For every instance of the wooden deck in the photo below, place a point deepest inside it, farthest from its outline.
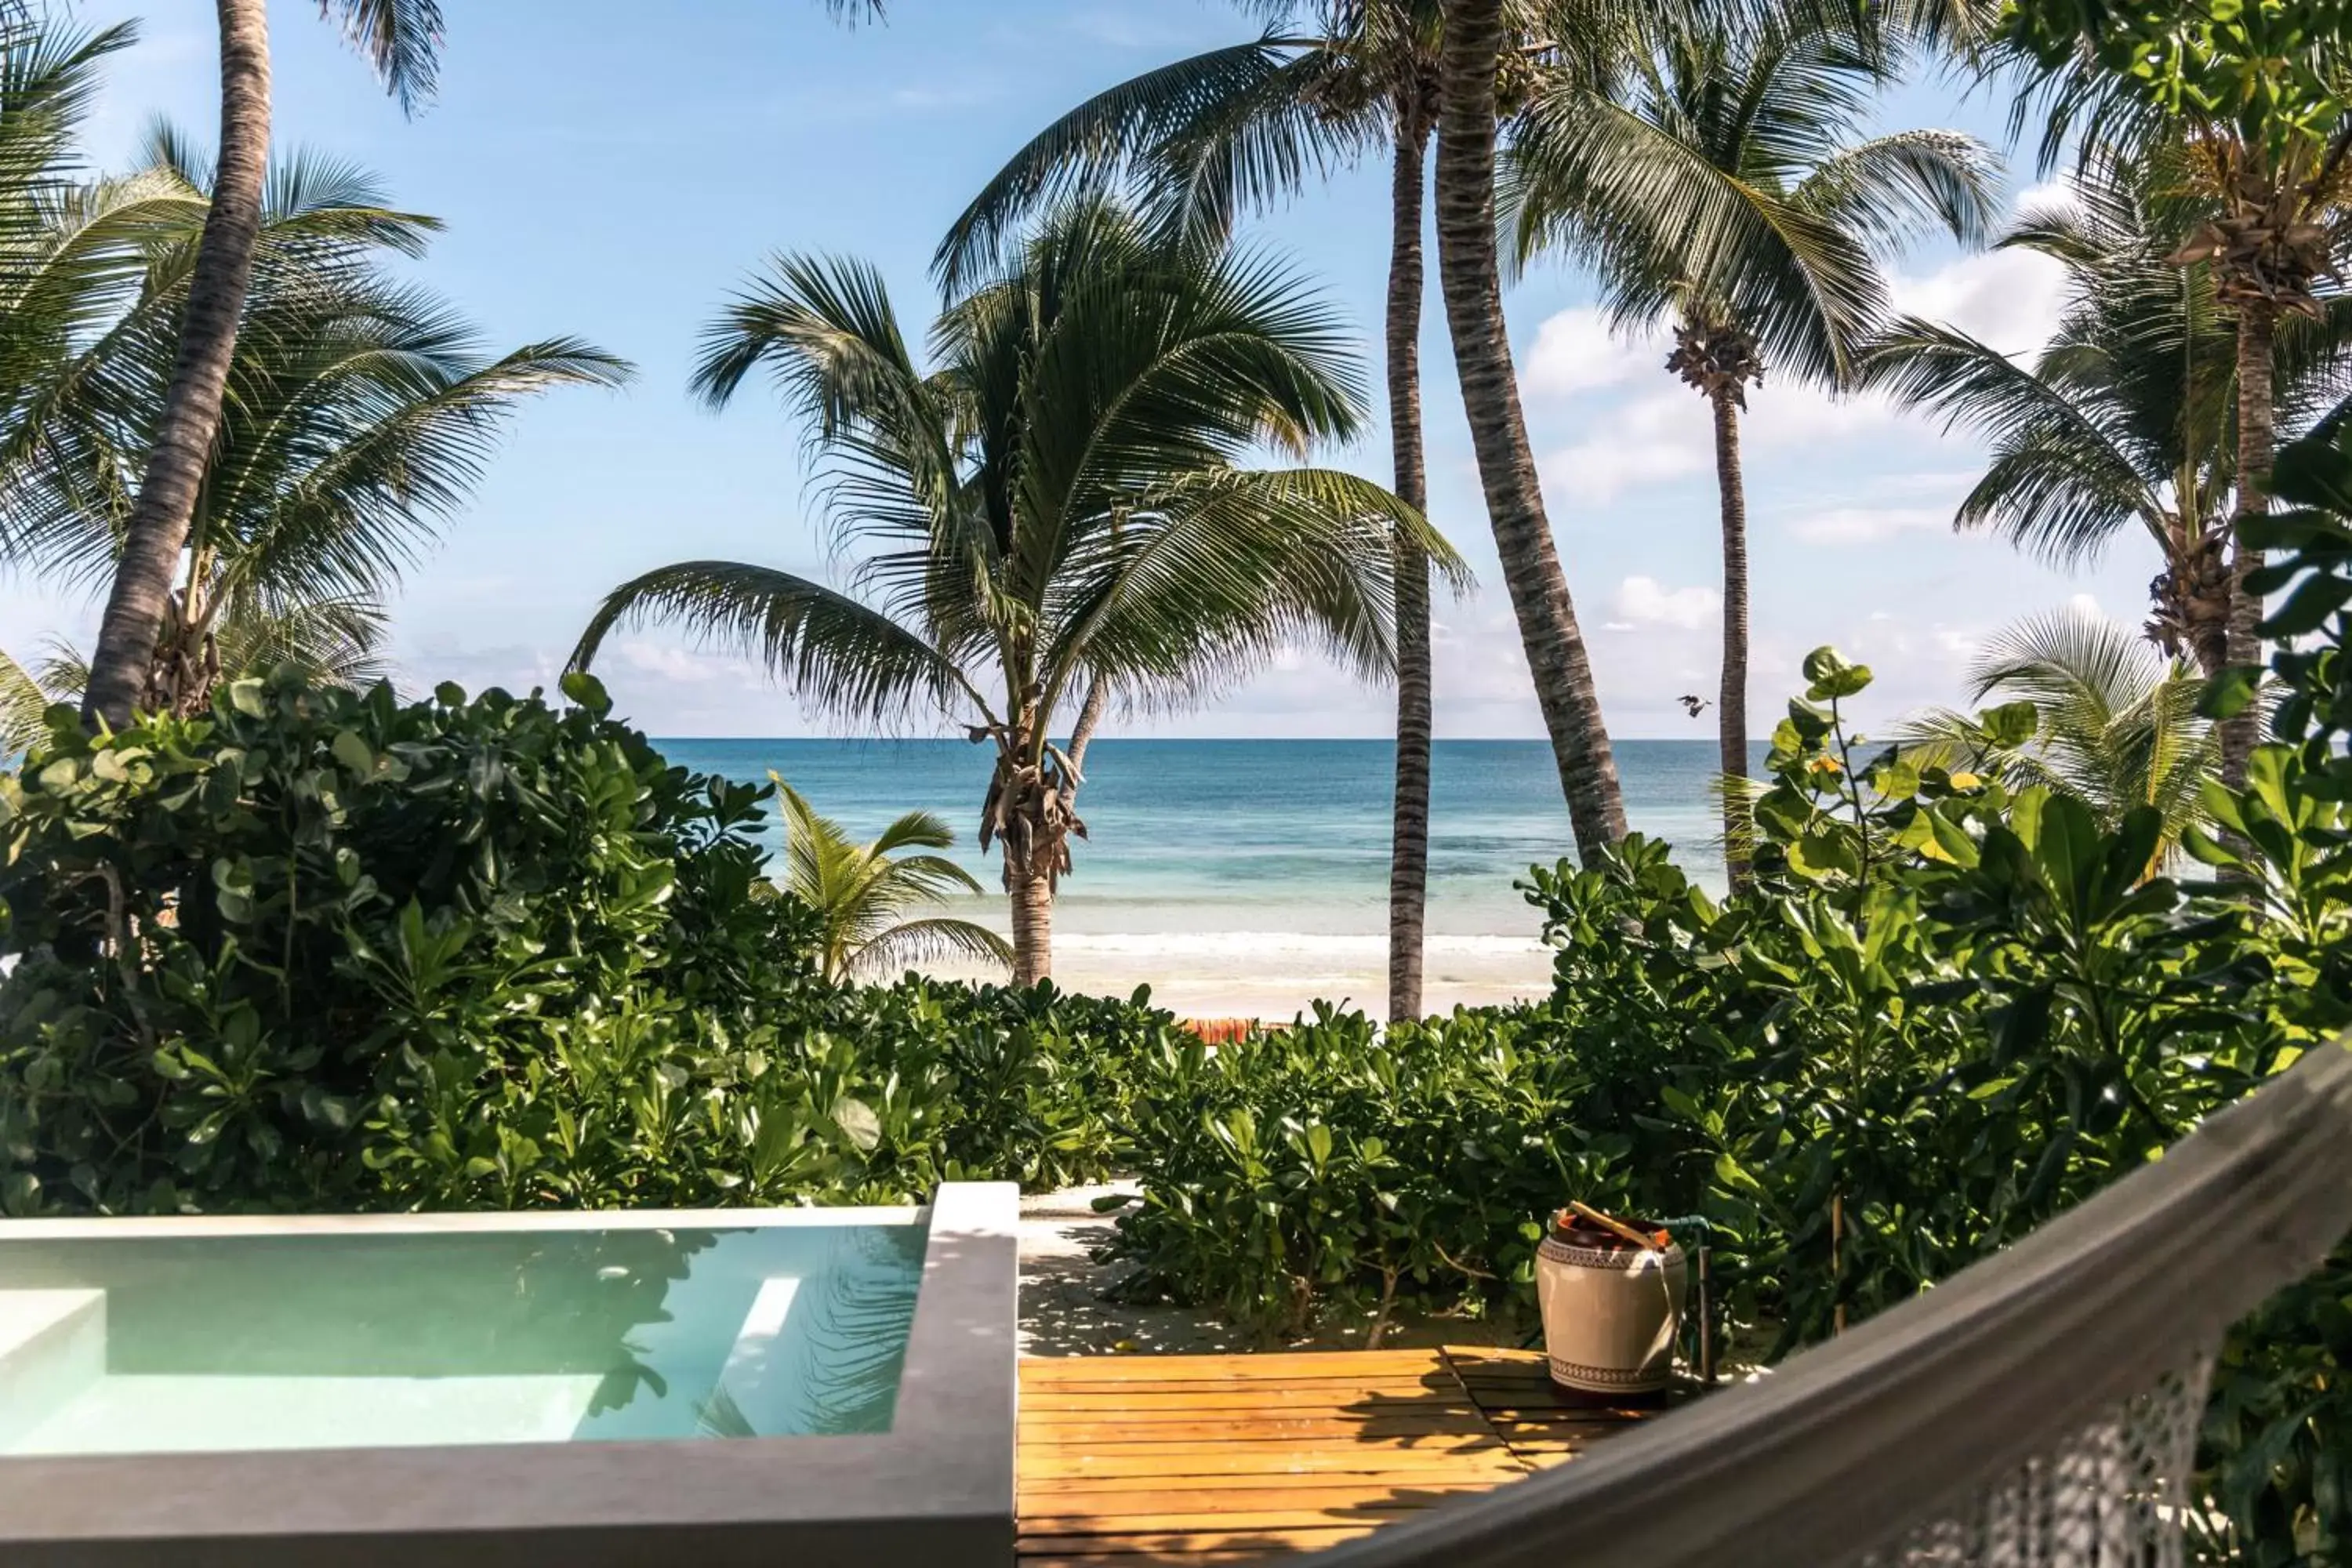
(1127, 1461)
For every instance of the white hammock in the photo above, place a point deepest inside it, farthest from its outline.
(2039, 1410)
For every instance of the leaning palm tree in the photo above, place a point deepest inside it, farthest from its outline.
(2116, 723)
(1719, 177)
(1199, 139)
(862, 892)
(1057, 504)
(360, 414)
(402, 38)
(2127, 419)
(1471, 281)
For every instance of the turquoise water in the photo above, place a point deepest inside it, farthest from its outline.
(1295, 830)
(1252, 875)
(227, 1343)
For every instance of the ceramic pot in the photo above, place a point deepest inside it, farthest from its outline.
(1610, 1313)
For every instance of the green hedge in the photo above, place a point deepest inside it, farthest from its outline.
(320, 951)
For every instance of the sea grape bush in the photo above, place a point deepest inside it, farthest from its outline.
(326, 951)
(1334, 1165)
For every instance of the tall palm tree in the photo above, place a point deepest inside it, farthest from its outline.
(1719, 177)
(402, 38)
(2127, 418)
(1470, 280)
(1058, 501)
(862, 892)
(2276, 182)
(1240, 126)
(2116, 726)
(361, 413)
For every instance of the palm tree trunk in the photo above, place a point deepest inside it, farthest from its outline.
(158, 527)
(1472, 283)
(1409, 839)
(1731, 696)
(2257, 441)
(1032, 927)
(1090, 713)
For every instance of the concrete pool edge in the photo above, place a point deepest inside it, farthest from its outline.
(940, 1482)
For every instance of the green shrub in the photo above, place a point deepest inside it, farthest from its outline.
(323, 951)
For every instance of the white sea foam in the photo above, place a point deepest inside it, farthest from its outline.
(1263, 947)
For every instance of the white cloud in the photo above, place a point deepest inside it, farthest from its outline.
(1867, 525)
(2009, 299)
(1646, 602)
(1645, 441)
(1575, 351)
(670, 662)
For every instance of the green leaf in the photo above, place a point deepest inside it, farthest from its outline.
(2229, 692)
(355, 755)
(856, 1120)
(249, 697)
(586, 690)
(2009, 725)
(1830, 676)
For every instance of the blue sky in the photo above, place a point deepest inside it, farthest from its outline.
(613, 171)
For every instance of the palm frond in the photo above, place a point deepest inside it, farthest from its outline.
(1236, 108)
(852, 659)
(2117, 729)
(23, 707)
(2062, 479)
(401, 39)
(929, 940)
(1715, 176)
(860, 892)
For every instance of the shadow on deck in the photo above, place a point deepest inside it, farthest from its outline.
(1126, 1461)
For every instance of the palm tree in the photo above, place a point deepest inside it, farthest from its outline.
(1245, 125)
(2128, 417)
(1470, 277)
(401, 38)
(360, 415)
(1058, 503)
(2263, 140)
(861, 892)
(1719, 176)
(2116, 726)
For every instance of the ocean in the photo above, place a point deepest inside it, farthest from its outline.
(1251, 876)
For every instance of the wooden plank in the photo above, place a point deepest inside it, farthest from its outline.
(1051, 1494)
(1157, 1462)
(1127, 1559)
(1355, 1404)
(1157, 1543)
(1491, 1460)
(1261, 1392)
(1427, 1445)
(1251, 1427)
(1246, 1517)
(1096, 1368)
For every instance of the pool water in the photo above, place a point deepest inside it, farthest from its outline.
(326, 1341)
